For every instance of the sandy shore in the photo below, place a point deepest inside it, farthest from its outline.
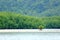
(29, 30)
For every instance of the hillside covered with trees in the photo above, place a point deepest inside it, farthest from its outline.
(39, 8)
(29, 14)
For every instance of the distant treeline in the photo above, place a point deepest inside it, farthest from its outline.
(10, 20)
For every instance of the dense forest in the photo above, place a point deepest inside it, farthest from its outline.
(11, 20)
(29, 14)
(39, 8)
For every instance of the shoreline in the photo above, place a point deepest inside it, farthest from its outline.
(29, 30)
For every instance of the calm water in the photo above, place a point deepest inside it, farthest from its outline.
(29, 36)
